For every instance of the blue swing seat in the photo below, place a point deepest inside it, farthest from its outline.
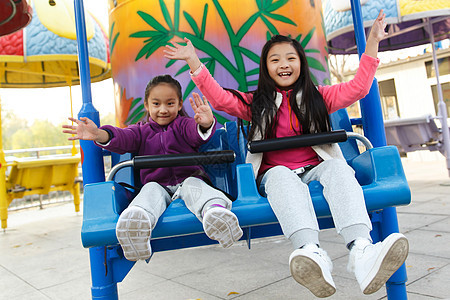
(378, 170)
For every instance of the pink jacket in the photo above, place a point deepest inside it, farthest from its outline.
(335, 96)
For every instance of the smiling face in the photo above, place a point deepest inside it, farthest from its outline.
(163, 103)
(283, 65)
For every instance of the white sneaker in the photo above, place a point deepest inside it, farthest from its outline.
(311, 267)
(222, 225)
(374, 264)
(133, 231)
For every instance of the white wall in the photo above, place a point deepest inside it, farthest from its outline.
(413, 89)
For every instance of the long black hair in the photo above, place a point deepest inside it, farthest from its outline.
(312, 113)
(168, 80)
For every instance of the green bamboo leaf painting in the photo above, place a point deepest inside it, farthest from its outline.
(145, 34)
(312, 51)
(160, 36)
(252, 83)
(326, 81)
(269, 25)
(151, 21)
(315, 64)
(160, 43)
(170, 63)
(190, 87)
(136, 115)
(266, 4)
(135, 102)
(252, 72)
(205, 13)
(113, 42)
(225, 20)
(166, 14)
(192, 23)
(138, 118)
(281, 18)
(308, 37)
(254, 57)
(276, 5)
(247, 25)
(176, 15)
(260, 5)
(143, 51)
(221, 119)
(313, 78)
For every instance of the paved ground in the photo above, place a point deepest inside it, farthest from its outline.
(41, 257)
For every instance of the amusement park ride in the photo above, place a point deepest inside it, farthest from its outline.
(40, 56)
(378, 169)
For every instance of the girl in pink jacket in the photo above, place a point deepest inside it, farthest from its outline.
(286, 103)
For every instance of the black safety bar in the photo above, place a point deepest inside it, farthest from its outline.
(173, 160)
(303, 140)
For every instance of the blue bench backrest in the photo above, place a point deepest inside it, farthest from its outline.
(340, 120)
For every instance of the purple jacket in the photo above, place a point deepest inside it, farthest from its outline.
(180, 136)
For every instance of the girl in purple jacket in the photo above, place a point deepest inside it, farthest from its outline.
(167, 131)
(286, 103)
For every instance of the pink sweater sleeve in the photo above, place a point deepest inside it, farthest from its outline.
(344, 94)
(221, 99)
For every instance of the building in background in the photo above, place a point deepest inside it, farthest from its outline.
(407, 86)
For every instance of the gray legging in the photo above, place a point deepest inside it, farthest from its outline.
(289, 197)
(197, 195)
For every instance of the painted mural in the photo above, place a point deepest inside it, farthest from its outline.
(229, 35)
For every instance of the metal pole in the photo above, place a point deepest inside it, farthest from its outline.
(373, 125)
(3, 195)
(372, 115)
(103, 284)
(92, 159)
(442, 108)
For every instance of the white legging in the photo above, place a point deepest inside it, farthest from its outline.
(197, 195)
(289, 197)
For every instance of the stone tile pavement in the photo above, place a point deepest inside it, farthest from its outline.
(41, 257)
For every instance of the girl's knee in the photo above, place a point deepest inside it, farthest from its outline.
(280, 176)
(337, 165)
(153, 188)
(280, 171)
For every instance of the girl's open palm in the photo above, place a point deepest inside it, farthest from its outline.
(203, 113)
(84, 129)
(178, 51)
(379, 26)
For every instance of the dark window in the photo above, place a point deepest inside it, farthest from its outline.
(445, 95)
(444, 67)
(389, 102)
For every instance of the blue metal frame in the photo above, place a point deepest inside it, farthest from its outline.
(103, 285)
(373, 125)
(108, 265)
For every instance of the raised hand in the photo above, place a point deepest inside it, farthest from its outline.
(378, 28)
(203, 113)
(187, 53)
(376, 34)
(85, 129)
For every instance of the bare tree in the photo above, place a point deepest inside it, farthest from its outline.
(337, 66)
